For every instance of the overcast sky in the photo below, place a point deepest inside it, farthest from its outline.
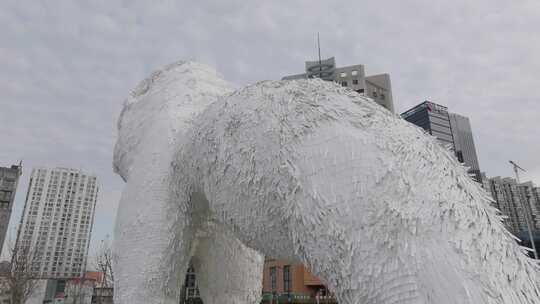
(66, 67)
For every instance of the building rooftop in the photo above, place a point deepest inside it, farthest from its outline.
(426, 104)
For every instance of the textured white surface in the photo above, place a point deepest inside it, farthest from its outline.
(304, 170)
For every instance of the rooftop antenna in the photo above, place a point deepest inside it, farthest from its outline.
(319, 49)
(525, 210)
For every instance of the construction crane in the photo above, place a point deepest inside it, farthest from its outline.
(525, 210)
(516, 170)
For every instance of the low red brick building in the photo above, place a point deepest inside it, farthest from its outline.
(285, 282)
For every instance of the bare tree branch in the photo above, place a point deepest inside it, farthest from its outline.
(20, 280)
(103, 262)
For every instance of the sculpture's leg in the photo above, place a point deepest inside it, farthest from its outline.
(373, 276)
(143, 236)
(363, 267)
(376, 235)
(228, 272)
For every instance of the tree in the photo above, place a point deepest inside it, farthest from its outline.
(103, 260)
(19, 281)
(103, 263)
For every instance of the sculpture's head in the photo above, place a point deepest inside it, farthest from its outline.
(162, 106)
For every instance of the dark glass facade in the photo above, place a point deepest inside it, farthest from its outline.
(452, 130)
(434, 119)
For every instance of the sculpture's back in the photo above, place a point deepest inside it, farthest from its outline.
(310, 171)
(379, 210)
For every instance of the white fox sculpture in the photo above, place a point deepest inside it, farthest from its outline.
(304, 170)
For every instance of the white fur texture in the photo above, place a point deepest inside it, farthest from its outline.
(304, 170)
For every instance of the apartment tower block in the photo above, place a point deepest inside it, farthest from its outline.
(9, 178)
(378, 87)
(57, 221)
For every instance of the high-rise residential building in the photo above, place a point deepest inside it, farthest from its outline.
(452, 130)
(57, 221)
(506, 199)
(378, 87)
(9, 178)
(536, 195)
(526, 192)
(515, 201)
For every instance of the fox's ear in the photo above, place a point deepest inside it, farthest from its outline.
(161, 108)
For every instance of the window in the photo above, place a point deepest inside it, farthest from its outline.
(459, 155)
(9, 183)
(190, 280)
(344, 83)
(354, 73)
(441, 129)
(355, 81)
(382, 96)
(440, 121)
(443, 136)
(374, 94)
(342, 75)
(287, 278)
(273, 278)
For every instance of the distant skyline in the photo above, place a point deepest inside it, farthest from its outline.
(68, 65)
